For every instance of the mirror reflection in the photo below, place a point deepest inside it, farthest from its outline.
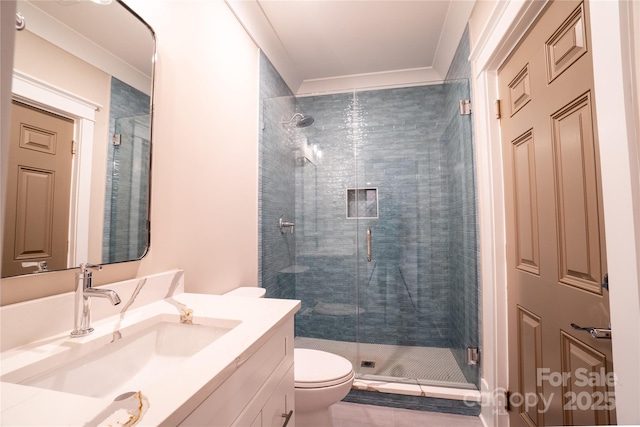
(80, 146)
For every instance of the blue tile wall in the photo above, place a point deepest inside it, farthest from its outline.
(127, 184)
(276, 183)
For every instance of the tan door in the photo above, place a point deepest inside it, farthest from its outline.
(555, 235)
(38, 190)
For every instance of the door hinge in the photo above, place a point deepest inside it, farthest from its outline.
(473, 356)
(498, 112)
(74, 147)
(465, 107)
(116, 139)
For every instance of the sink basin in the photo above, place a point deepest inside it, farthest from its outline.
(143, 353)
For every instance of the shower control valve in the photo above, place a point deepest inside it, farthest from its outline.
(283, 225)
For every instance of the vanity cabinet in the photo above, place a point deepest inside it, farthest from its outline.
(260, 390)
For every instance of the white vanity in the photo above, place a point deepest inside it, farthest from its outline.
(162, 357)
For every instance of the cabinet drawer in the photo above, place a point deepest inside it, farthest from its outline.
(280, 403)
(273, 403)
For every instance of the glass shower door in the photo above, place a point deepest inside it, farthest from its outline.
(408, 169)
(389, 163)
(125, 235)
(463, 233)
(325, 237)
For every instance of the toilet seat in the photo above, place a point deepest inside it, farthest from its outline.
(317, 369)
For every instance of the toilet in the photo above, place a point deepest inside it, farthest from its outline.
(321, 378)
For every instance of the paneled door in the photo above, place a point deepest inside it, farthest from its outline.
(558, 375)
(38, 190)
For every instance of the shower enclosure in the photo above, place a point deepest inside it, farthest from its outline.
(383, 253)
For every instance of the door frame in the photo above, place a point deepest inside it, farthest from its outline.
(618, 126)
(40, 94)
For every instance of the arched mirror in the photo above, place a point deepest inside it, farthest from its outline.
(79, 162)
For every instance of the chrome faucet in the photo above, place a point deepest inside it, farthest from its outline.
(82, 306)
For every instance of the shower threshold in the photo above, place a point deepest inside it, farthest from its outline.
(406, 370)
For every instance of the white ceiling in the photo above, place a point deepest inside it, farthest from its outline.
(317, 46)
(321, 46)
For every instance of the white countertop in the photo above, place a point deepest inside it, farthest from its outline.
(170, 397)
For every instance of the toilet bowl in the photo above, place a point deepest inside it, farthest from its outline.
(321, 379)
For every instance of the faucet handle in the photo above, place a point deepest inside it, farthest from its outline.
(86, 266)
(41, 265)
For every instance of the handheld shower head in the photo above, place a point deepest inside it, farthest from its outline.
(302, 122)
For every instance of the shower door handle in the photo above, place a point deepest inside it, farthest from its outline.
(368, 245)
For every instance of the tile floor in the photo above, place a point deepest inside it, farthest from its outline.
(347, 414)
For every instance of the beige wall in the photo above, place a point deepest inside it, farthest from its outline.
(636, 53)
(204, 200)
(204, 190)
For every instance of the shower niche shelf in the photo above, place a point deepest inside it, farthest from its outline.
(362, 203)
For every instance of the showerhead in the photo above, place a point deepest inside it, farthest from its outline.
(305, 121)
(302, 122)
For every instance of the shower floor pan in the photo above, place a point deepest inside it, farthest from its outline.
(402, 364)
